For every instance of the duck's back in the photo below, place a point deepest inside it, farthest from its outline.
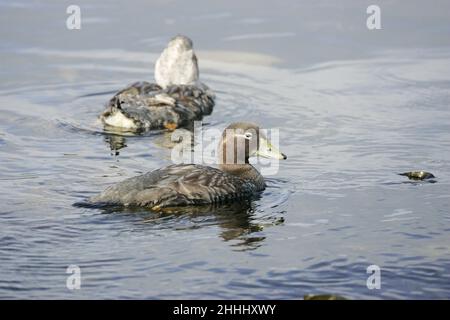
(177, 185)
(147, 106)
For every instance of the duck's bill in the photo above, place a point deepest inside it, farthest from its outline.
(266, 150)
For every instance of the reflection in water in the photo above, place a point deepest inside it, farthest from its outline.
(170, 139)
(238, 221)
(339, 189)
(116, 137)
(115, 143)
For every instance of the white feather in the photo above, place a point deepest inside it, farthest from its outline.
(119, 120)
(177, 64)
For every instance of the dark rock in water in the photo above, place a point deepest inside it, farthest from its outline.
(418, 175)
(323, 297)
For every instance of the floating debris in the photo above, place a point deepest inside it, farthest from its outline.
(323, 297)
(418, 175)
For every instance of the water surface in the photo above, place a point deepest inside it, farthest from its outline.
(354, 109)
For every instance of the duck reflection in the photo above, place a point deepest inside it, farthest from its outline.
(115, 143)
(239, 225)
(116, 139)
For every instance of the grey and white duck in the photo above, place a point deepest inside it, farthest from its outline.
(176, 99)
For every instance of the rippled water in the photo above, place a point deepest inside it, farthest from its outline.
(335, 207)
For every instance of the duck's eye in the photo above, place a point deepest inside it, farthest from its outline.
(248, 135)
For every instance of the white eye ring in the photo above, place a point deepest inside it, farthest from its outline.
(248, 135)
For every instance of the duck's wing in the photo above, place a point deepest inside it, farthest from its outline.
(135, 90)
(145, 105)
(177, 185)
(203, 184)
(198, 98)
(142, 105)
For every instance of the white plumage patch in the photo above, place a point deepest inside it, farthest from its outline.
(119, 120)
(177, 64)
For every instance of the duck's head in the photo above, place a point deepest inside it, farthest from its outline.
(177, 64)
(242, 140)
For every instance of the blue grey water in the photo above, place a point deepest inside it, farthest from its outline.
(354, 108)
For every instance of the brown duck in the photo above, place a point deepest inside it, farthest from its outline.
(193, 184)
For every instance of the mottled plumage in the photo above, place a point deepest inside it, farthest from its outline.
(192, 184)
(178, 185)
(150, 107)
(175, 100)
